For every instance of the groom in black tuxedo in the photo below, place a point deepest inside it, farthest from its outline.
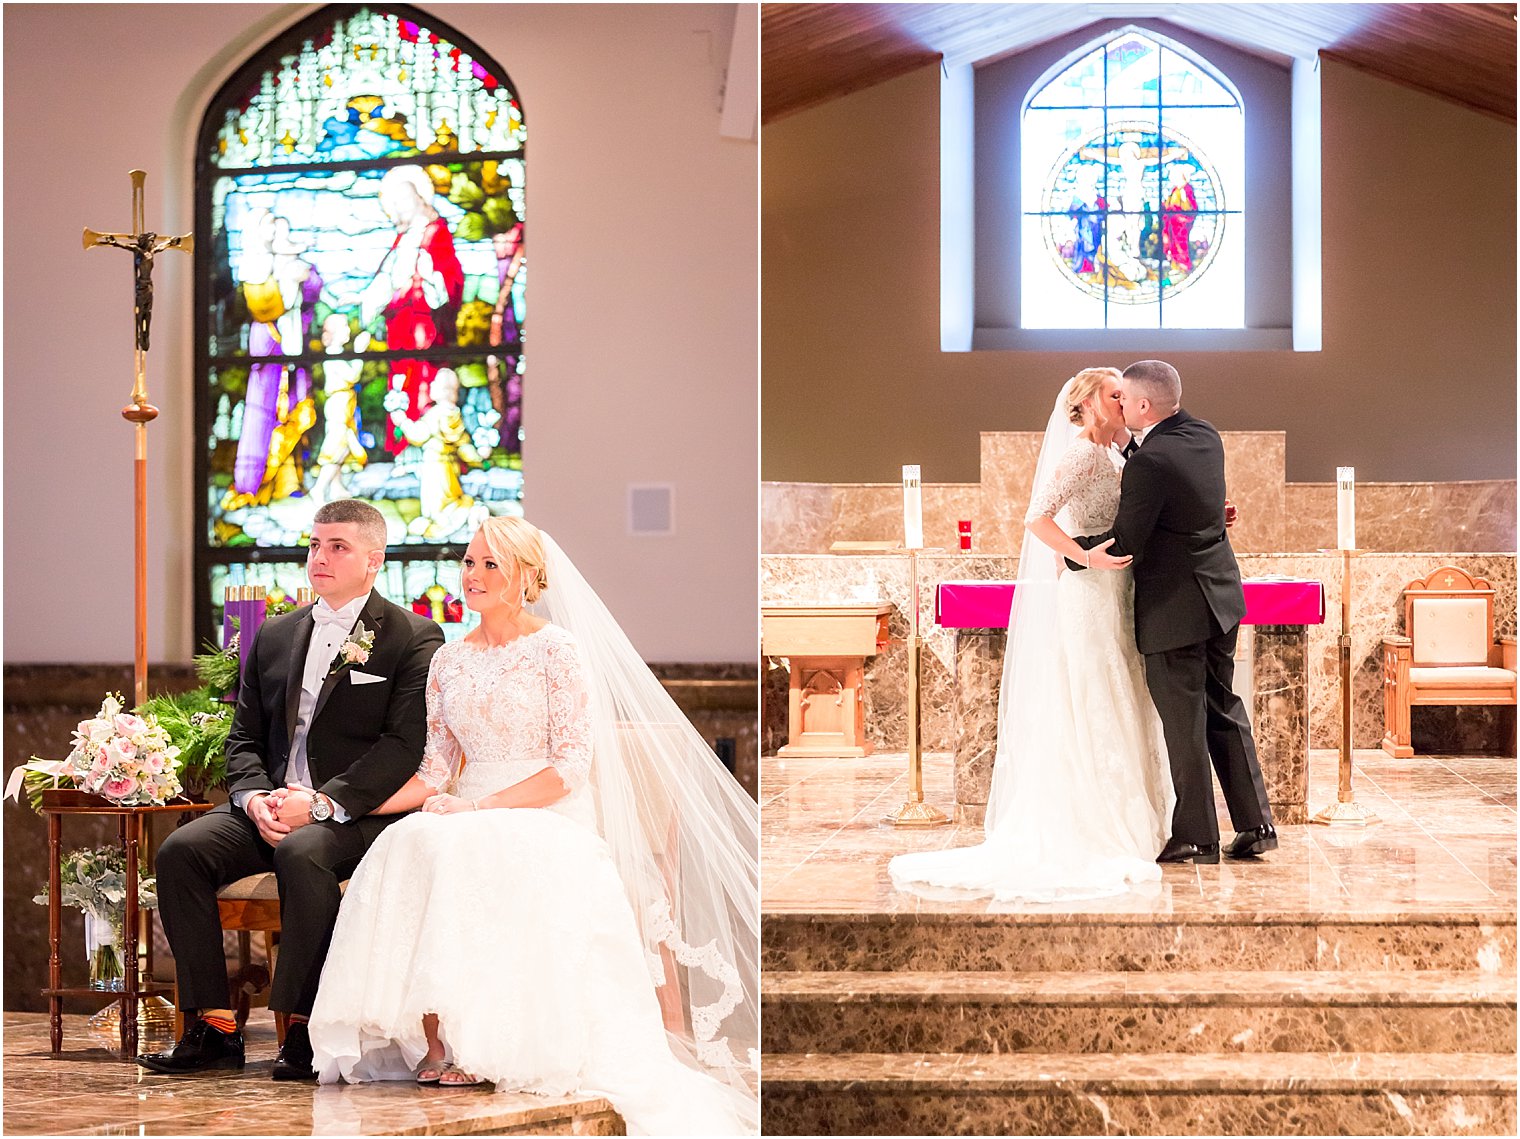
(1188, 608)
(330, 722)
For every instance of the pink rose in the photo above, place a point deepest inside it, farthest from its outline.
(122, 751)
(119, 788)
(129, 725)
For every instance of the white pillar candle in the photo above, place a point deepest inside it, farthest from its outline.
(1345, 508)
(913, 509)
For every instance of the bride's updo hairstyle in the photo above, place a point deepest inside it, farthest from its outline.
(1085, 385)
(516, 541)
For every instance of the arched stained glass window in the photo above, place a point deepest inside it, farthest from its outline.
(359, 300)
(1133, 181)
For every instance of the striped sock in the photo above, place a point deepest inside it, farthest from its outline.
(220, 1019)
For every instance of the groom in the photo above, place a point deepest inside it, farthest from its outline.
(1188, 607)
(330, 722)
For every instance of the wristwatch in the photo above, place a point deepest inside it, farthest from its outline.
(321, 809)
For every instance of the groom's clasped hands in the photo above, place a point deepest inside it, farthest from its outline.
(281, 811)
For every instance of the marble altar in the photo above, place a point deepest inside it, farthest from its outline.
(1378, 579)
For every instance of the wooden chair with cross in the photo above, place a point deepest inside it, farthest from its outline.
(1448, 655)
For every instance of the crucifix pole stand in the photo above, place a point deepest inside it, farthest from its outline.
(144, 245)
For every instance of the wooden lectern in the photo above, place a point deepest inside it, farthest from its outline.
(826, 646)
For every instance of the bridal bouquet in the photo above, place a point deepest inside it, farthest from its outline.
(123, 756)
(126, 758)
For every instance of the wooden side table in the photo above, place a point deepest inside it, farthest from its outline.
(57, 803)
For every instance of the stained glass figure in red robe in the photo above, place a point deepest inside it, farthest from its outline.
(417, 288)
(1179, 212)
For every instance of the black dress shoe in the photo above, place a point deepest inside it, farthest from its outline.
(1176, 850)
(1248, 844)
(294, 1060)
(201, 1049)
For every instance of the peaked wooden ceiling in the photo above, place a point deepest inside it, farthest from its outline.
(812, 53)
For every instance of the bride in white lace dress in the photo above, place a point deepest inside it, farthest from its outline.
(490, 936)
(1082, 795)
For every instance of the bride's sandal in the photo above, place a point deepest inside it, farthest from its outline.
(431, 1071)
(465, 1079)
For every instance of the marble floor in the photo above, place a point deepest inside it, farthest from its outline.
(1445, 844)
(89, 1090)
(1351, 982)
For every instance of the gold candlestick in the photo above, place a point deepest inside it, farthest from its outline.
(1345, 811)
(915, 812)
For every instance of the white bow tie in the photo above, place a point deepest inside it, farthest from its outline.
(324, 616)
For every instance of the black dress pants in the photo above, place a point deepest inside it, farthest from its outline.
(222, 846)
(1203, 720)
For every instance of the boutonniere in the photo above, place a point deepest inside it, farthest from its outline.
(355, 650)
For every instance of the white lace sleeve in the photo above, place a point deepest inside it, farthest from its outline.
(569, 716)
(1074, 467)
(441, 755)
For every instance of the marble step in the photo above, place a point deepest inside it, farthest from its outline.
(1360, 1093)
(801, 941)
(845, 1011)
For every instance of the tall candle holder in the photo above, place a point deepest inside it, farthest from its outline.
(914, 812)
(1345, 811)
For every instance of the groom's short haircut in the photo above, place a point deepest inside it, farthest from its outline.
(370, 521)
(1157, 381)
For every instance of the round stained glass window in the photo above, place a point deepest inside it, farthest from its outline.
(1131, 215)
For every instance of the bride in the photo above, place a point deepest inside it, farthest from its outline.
(574, 908)
(1081, 799)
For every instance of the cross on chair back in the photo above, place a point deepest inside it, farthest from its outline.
(1448, 655)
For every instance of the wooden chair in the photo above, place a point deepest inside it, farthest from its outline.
(1449, 654)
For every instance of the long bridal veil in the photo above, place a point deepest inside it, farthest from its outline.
(1076, 798)
(1030, 685)
(684, 836)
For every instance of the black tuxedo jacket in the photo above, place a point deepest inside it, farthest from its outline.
(365, 740)
(1171, 519)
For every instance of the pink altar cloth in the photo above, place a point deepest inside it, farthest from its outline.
(1269, 601)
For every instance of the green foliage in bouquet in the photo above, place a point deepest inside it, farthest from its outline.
(94, 879)
(197, 723)
(218, 668)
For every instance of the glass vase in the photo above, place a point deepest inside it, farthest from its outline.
(103, 951)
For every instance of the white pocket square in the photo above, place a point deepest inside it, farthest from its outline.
(365, 677)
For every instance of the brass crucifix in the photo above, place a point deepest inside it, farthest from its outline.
(145, 246)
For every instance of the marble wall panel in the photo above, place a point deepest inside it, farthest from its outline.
(1255, 470)
(873, 512)
(795, 517)
(978, 683)
(1008, 463)
(1280, 717)
(1255, 473)
(807, 518)
(1476, 517)
(1378, 582)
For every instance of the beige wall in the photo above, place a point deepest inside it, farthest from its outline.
(642, 357)
(1416, 381)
